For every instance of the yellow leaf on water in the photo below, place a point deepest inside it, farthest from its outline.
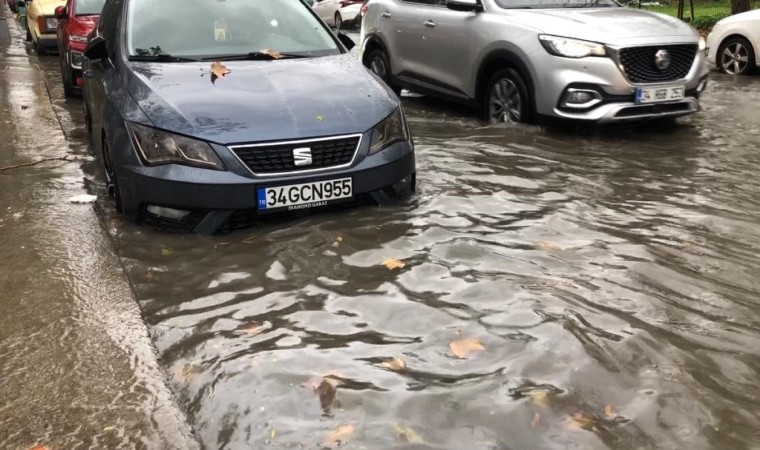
(339, 239)
(609, 412)
(273, 434)
(254, 329)
(320, 118)
(407, 434)
(396, 364)
(463, 347)
(166, 251)
(40, 447)
(392, 264)
(539, 397)
(536, 420)
(249, 240)
(582, 420)
(339, 436)
(549, 246)
(109, 429)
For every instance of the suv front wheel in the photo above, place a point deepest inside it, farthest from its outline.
(506, 98)
(378, 63)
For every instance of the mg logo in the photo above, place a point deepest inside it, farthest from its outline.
(302, 156)
(662, 59)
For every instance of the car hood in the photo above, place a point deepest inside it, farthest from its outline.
(261, 100)
(742, 17)
(613, 26)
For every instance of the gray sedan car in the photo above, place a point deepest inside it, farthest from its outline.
(232, 110)
(538, 60)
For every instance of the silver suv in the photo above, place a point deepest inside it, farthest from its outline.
(535, 60)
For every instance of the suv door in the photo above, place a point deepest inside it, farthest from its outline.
(449, 47)
(400, 27)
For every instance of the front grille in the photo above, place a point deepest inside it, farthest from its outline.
(650, 110)
(639, 63)
(278, 157)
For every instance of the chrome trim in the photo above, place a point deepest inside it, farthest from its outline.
(299, 142)
(614, 54)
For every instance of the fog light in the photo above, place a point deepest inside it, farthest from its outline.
(169, 213)
(76, 60)
(580, 98)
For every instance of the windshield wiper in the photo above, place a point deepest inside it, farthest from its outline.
(161, 57)
(254, 56)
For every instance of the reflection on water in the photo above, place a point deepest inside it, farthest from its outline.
(611, 279)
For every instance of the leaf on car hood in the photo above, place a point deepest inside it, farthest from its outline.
(272, 53)
(392, 264)
(218, 70)
(395, 364)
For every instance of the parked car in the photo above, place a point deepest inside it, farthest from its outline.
(197, 132)
(337, 13)
(41, 24)
(538, 60)
(76, 21)
(734, 43)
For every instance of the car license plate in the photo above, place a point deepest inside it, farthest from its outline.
(306, 195)
(658, 94)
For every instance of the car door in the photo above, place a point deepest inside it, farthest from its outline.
(399, 25)
(449, 46)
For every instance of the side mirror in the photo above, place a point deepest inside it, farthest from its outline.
(464, 5)
(345, 40)
(96, 49)
(60, 13)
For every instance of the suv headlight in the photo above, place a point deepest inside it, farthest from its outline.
(391, 130)
(51, 23)
(159, 147)
(702, 43)
(571, 48)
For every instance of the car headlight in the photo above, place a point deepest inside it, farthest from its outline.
(159, 147)
(391, 130)
(77, 38)
(571, 48)
(51, 23)
(76, 59)
(702, 43)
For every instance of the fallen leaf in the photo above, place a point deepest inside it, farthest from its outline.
(166, 251)
(272, 53)
(253, 329)
(339, 239)
(326, 391)
(320, 118)
(539, 397)
(396, 364)
(463, 347)
(188, 372)
(106, 429)
(536, 420)
(150, 275)
(273, 434)
(392, 264)
(40, 447)
(339, 436)
(407, 434)
(249, 240)
(222, 244)
(549, 246)
(582, 420)
(609, 412)
(218, 70)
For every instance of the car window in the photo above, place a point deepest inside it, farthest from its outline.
(205, 28)
(108, 24)
(88, 7)
(519, 4)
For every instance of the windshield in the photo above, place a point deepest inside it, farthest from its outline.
(544, 4)
(208, 28)
(88, 7)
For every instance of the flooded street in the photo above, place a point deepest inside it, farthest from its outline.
(602, 290)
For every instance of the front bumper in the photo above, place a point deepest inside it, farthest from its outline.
(219, 199)
(48, 41)
(617, 93)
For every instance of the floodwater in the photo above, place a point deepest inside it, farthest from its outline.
(605, 285)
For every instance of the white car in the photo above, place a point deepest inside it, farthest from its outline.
(337, 12)
(734, 44)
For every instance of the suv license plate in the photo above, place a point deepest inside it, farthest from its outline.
(306, 195)
(660, 94)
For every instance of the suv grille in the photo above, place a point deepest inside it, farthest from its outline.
(278, 157)
(639, 63)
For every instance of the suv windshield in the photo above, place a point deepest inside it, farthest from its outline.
(88, 7)
(542, 4)
(209, 28)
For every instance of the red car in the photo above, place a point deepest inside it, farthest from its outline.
(75, 22)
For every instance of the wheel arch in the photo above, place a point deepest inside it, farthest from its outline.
(501, 59)
(739, 35)
(372, 43)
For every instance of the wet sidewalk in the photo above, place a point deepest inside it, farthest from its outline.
(77, 366)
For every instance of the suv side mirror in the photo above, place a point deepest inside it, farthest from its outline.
(60, 13)
(464, 5)
(96, 49)
(345, 40)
